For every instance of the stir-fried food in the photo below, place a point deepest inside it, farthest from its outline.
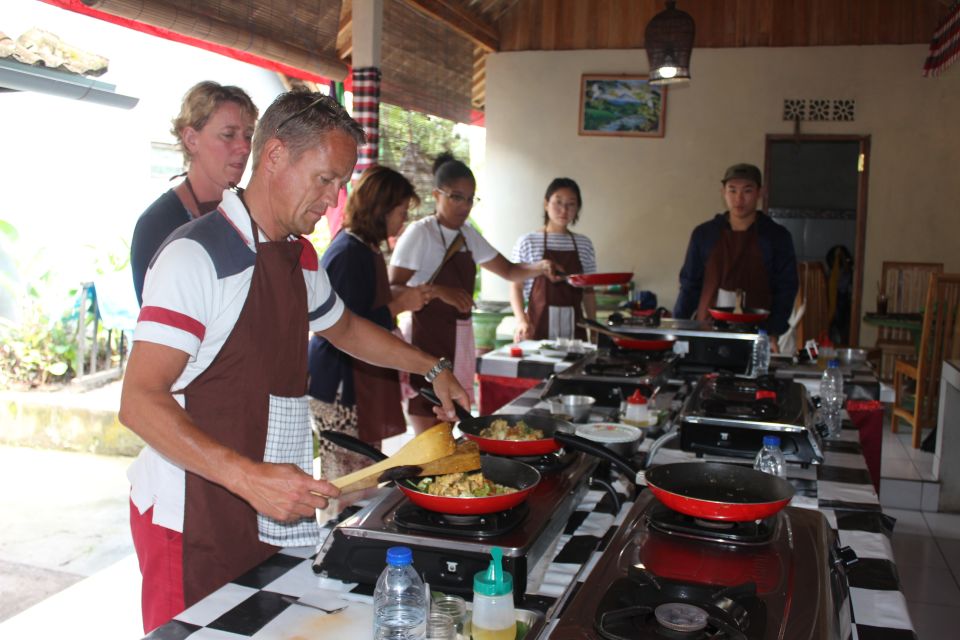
(462, 485)
(503, 430)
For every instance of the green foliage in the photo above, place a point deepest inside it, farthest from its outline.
(409, 143)
(40, 347)
(35, 350)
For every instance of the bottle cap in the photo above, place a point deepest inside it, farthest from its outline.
(834, 363)
(399, 556)
(493, 581)
(637, 398)
(771, 441)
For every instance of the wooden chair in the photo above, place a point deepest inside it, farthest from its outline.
(813, 292)
(940, 340)
(905, 284)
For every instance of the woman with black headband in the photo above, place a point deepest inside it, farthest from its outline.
(213, 130)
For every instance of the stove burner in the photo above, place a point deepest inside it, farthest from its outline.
(409, 516)
(727, 384)
(714, 524)
(615, 368)
(669, 521)
(757, 409)
(550, 462)
(677, 616)
(637, 607)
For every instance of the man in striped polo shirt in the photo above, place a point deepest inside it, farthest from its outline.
(217, 378)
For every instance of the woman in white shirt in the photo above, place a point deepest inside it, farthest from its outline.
(444, 251)
(554, 308)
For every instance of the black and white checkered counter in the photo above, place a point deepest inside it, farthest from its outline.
(840, 489)
(252, 606)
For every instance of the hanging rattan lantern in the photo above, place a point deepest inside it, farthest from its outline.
(669, 43)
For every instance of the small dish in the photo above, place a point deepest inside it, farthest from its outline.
(623, 439)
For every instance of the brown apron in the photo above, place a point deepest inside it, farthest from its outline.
(736, 262)
(265, 354)
(434, 327)
(546, 294)
(377, 390)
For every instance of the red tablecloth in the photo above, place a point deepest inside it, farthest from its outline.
(496, 391)
(867, 417)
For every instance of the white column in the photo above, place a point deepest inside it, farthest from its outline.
(367, 26)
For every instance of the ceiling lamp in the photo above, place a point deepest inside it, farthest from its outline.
(669, 42)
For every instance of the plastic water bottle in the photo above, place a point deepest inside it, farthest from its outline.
(760, 362)
(399, 600)
(831, 398)
(770, 458)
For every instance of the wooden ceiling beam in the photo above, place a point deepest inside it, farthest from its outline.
(464, 21)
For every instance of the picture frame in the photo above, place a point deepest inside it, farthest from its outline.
(622, 105)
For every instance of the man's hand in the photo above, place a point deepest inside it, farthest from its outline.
(282, 491)
(455, 297)
(448, 390)
(523, 329)
(549, 268)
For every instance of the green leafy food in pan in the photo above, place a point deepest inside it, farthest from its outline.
(462, 485)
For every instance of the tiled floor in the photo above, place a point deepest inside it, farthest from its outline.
(926, 544)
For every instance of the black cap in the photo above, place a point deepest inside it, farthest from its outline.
(742, 171)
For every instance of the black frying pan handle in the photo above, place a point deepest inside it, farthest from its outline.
(595, 449)
(428, 393)
(353, 444)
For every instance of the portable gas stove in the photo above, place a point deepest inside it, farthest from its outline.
(666, 575)
(702, 345)
(728, 415)
(449, 549)
(611, 376)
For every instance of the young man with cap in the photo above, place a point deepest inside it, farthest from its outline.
(741, 248)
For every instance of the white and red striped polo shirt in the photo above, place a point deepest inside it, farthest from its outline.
(194, 291)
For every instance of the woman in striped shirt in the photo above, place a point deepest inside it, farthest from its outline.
(554, 308)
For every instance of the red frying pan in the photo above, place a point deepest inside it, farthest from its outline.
(707, 490)
(510, 473)
(598, 279)
(626, 342)
(719, 491)
(636, 344)
(749, 316)
(471, 428)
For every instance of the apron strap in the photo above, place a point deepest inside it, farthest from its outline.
(451, 251)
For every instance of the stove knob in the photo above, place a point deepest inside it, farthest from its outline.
(724, 436)
(452, 566)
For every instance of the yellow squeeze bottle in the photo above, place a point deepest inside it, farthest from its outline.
(493, 615)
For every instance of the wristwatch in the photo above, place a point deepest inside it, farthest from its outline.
(443, 364)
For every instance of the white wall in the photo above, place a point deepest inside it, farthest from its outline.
(75, 176)
(643, 196)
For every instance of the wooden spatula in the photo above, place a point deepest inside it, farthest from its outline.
(465, 458)
(436, 442)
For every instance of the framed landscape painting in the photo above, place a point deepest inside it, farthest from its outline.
(621, 106)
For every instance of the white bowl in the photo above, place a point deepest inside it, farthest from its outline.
(619, 438)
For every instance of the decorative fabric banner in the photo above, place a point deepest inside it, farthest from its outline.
(945, 45)
(366, 111)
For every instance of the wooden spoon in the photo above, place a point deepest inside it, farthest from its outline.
(738, 305)
(465, 458)
(436, 442)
